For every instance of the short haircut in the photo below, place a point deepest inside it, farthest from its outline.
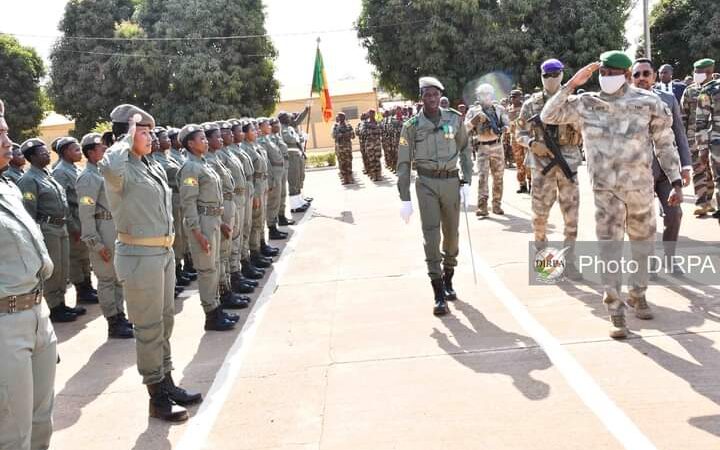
(644, 61)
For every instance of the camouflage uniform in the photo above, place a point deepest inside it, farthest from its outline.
(619, 133)
(518, 150)
(387, 148)
(343, 135)
(359, 132)
(490, 157)
(702, 176)
(707, 128)
(373, 137)
(554, 184)
(395, 129)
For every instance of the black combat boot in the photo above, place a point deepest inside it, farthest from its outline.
(276, 234)
(178, 394)
(268, 250)
(215, 320)
(250, 271)
(232, 317)
(230, 300)
(238, 285)
(77, 310)
(259, 260)
(447, 281)
(180, 279)
(284, 221)
(85, 294)
(88, 282)
(124, 320)
(117, 328)
(523, 189)
(161, 405)
(441, 307)
(61, 314)
(189, 268)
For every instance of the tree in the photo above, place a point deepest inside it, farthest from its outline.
(683, 31)
(459, 41)
(20, 76)
(162, 61)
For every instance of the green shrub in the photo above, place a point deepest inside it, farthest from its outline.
(321, 160)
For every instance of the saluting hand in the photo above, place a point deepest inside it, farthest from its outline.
(583, 75)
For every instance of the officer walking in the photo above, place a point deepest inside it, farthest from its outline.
(707, 122)
(66, 174)
(489, 120)
(99, 234)
(28, 346)
(434, 139)
(621, 126)
(45, 201)
(141, 206)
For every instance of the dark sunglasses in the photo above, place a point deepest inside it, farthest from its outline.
(644, 74)
(551, 75)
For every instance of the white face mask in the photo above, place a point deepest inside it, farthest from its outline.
(700, 77)
(611, 84)
(552, 85)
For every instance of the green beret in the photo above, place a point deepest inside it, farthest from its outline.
(123, 114)
(615, 59)
(90, 139)
(704, 63)
(188, 130)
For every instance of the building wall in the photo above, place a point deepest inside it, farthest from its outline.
(320, 132)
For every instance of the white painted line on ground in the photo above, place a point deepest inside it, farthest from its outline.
(614, 419)
(200, 424)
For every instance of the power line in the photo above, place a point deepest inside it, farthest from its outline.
(139, 55)
(207, 38)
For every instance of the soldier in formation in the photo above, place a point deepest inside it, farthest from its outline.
(343, 134)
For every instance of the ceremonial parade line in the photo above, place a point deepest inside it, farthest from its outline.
(199, 426)
(614, 419)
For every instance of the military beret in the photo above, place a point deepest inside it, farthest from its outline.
(15, 146)
(223, 124)
(234, 123)
(262, 120)
(63, 142)
(615, 59)
(210, 126)
(425, 82)
(27, 146)
(704, 63)
(53, 144)
(158, 130)
(188, 130)
(172, 131)
(123, 114)
(91, 139)
(551, 65)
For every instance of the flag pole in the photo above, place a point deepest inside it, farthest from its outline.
(309, 115)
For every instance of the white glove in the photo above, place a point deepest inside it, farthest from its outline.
(406, 211)
(464, 194)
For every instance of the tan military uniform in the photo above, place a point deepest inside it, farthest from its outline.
(141, 206)
(98, 233)
(201, 195)
(45, 201)
(28, 346)
(278, 140)
(13, 174)
(172, 168)
(229, 216)
(235, 166)
(619, 133)
(276, 169)
(523, 173)
(243, 246)
(260, 164)
(490, 157)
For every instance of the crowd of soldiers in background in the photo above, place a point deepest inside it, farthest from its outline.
(70, 205)
(378, 135)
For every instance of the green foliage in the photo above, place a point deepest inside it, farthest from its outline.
(102, 127)
(460, 40)
(684, 31)
(178, 81)
(20, 90)
(321, 159)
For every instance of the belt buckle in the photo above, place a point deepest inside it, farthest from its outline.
(167, 241)
(12, 304)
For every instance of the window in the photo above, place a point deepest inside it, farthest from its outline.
(351, 112)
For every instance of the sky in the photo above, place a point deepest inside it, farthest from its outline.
(294, 26)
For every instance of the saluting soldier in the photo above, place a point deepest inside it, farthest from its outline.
(66, 173)
(434, 139)
(99, 234)
(621, 127)
(141, 206)
(45, 201)
(228, 299)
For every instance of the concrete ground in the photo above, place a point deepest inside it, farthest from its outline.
(341, 350)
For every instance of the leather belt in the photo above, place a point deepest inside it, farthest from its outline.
(210, 210)
(443, 173)
(155, 241)
(16, 303)
(490, 142)
(103, 215)
(228, 196)
(60, 221)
